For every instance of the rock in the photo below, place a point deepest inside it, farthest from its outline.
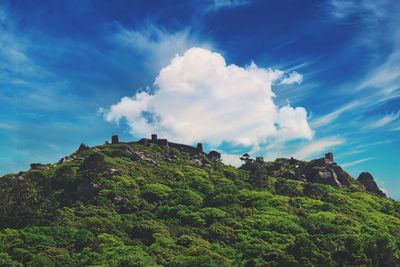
(87, 190)
(136, 155)
(62, 160)
(367, 180)
(117, 199)
(327, 176)
(322, 175)
(114, 171)
(198, 162)
(132, 153)
(343, 177)
(39, 166)
(82, 148)
(66, 159)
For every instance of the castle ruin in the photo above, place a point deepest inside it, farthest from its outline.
(197, 150)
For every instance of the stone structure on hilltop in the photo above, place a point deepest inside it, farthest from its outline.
(366, 179)
(82, 147)
(39, 166)
(114, 139)
(191, 150)
(326, 171)
(260, 159)
(164, 142)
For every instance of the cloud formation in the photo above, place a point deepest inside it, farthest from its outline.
(293, 78)
(330, 117)
(317, 146)
(157, 45)
(386, 119)
(349, 164)
(199, 97)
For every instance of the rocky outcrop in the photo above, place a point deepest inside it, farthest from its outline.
(82, 148)
(137, 155)
(39, 166)
(323, 170)
(326, 171)
(367, 180)
(343, 177)
(326, 175)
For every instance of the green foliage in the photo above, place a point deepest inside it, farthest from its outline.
(155, 192)
(108, 208)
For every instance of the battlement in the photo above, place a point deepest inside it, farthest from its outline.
(164, 142)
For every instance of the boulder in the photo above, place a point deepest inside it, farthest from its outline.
(367, 180)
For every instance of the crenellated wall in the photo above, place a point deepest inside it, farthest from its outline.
(164, 142)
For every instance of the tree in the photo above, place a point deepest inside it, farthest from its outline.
(246, 158)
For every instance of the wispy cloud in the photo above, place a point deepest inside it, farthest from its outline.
(386, 119)
(317, 146)
(220, 4)
(293, 78)
(328, 118)
(352, 163)
(372, 10)
(156, 44)
(13, 58)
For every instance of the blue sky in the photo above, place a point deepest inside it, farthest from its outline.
(279, 78)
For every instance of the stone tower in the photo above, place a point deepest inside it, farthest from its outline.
(114, 139)
(199, 148)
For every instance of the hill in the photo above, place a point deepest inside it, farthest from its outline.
(149, 203)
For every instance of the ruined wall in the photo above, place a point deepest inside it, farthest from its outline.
(164, 142)
(186, 148)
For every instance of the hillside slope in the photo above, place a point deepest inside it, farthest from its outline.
(149, 205)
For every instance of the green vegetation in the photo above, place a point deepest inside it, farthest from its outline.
(104, 208)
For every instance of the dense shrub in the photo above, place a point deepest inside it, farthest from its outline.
(106, 208)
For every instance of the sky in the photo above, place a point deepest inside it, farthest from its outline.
(275, 78)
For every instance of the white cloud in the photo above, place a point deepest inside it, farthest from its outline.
(231, 159)
(348, 164)
(317, 146)
(293, 78)
(201, 98)
(383, 121)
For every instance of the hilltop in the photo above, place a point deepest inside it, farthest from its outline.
(158, 203)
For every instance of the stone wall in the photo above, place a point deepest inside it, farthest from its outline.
(164, 142)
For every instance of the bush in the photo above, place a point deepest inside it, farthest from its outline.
(155, 192)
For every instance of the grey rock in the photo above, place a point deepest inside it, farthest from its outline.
(367, 180)
(39, 166)
(82, 147)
